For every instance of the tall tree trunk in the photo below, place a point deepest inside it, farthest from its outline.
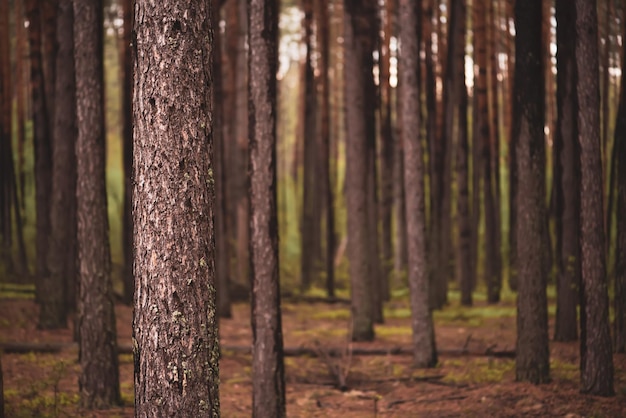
(58, 288)
(425, 354)
(6, 153)
(268, 370)
(310, 227)
(49, 9)
(99, 378)
(566, 179)
(42, 141)
(356, 74)
(532, 353)
(127, 141)
(596, 358)
(174, 266)
(324, 137)
(222, 253)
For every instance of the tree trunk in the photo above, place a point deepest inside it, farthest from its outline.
(596, 358)
(127, 140)
(42, 142)
(268, 370)
(532, 362)
(310, 227)
(99, 378)
(222, 253)
(175, 333)
(361, 279)
(6, 153)
(425, 354)
(1, 392)
(49, 9)
(566, 179)
(59, 287)
(325, 138)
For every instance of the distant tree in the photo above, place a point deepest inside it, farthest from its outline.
(620, 254)
(99, 377)
(425, 354)
(268, 380)
(59, 286)
(127, 141)
(596, 359)
(41, 138)
(361, 280)
(176, 347)
(532, 353)
(566, 178)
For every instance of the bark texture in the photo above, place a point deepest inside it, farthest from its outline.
(268, 370)
(425, 354)
(99, 378)
(567, 178)
(175, 336)
(532, 362)
(596, 359)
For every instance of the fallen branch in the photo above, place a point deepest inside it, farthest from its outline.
(55, 347)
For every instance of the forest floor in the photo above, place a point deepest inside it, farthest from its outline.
(475, 376)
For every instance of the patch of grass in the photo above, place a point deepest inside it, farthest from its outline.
(342, 314)
(481, 370)
(392, 331)
(560, 370)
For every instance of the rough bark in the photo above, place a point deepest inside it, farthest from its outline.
(175, 336)
(356, 172)
(59, 286)
(425, 354)
(99, 378)
(268, 370)
(596, 358)
(42, 140)
(532, 363)
(566, 179)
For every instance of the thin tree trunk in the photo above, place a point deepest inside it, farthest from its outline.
(596, 358)
(175, 332)
(425, 354)
(99, 379)
(532, 360)
(268, 370)
(566, 179)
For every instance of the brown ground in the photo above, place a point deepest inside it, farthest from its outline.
(45, 385)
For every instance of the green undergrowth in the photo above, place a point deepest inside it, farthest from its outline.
(478, 370)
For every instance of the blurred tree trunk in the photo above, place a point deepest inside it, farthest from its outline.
(58, 287)
(222, 253)
(99, 378)
(425, 354)
(268, 371)
(512, 237)
(240, 132)
(386, 148)
(357, 67)
(42, 141)
(326, 188)
(174, 265)
(620, 253)
(532, 353)
(464, 263)
(49, 9)
(1, 392)
(127, 139)
(22, 89)
(310, 225)
(595, 338)
(566, 179)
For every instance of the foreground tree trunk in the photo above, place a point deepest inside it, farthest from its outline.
(532, 360)
(425, 354)
(356, 172)
(596, 359)
(175, 335)
(268, 370)
(58, 287)
(567, 179)
(99, 378)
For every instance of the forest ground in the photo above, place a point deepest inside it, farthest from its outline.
(468, 382)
